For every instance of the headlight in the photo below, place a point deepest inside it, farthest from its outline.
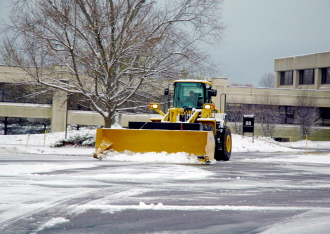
(209, 106)
(154, 106)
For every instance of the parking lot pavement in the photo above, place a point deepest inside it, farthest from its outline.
(253, 193)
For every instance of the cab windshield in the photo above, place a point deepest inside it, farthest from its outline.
(189, 94)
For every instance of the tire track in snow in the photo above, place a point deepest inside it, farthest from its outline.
(52, 208)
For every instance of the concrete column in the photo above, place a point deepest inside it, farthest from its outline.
(220, 84)
(295, 79)
(59, 111)
(277, 79)
(317, 78)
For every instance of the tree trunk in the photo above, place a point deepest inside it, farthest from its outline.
(107, 122)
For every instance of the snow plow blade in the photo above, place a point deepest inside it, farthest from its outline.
(198, 143)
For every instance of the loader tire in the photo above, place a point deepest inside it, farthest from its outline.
(226, 145)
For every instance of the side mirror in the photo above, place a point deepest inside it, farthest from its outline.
(166, 91)
(213, 92)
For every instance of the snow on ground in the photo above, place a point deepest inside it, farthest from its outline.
(263, 144)
(152, 157)
(240, 144)
(296, 158)
(41, 144)
(52, 223)
(308, 144)
(142, 206)
(313, 221)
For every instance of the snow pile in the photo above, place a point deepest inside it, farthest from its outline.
(53, 223)
(160, 206)
(152, 157)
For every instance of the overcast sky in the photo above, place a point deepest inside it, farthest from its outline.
(262, 30)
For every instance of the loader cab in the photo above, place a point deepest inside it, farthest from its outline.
(192, 94)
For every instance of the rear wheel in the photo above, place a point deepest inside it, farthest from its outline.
(223, 147)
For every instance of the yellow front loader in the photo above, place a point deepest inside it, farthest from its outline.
(192, 125)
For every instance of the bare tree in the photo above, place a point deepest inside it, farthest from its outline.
(115, 53)
(267, 80)
(235, 113)
(306, 114)
(268, 113)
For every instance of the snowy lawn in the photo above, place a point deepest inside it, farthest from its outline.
(41, 144)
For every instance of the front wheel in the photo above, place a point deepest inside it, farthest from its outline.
(223, 148)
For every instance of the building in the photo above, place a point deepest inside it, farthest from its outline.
(293, 75)
(310, 71)
(54, 109)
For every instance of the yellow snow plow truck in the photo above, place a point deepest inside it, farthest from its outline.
(191, 125)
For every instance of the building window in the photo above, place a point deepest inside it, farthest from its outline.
(326, 75)
(286, 78)
(289, 110)
(306, 77)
